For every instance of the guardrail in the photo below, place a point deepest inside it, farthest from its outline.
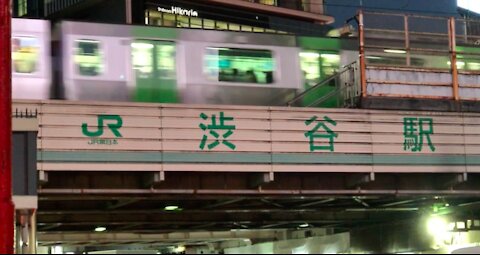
(421, 46)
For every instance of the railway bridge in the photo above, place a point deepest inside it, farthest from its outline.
(159, 174)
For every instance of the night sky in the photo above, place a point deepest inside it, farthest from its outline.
(344, 9)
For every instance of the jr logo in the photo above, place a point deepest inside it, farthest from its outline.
(115, 124)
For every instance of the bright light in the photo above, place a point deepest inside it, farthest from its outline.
(142, 46)
(179, 249)
(460, 64)
(472, 5)
(309, 55)
(57, 250)
(330, 57)
(171, 208)
(394, 51)
(305, 225)
(100, 229)
(474, 66)
(436, 226)
(300, 250)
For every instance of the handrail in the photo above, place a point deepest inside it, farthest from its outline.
(329, 95)
(321, 83)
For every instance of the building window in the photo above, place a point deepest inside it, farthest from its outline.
(89, 58)
(239, 65)
(154, 17)
(25, 54)
(268, 2)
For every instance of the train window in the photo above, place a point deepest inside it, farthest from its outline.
(153, 59)
(239, 65)
(142, 53)
(310, 64)
(330, 63)
(317, 66)
(165, 60)
(25, 54)
(89, 58)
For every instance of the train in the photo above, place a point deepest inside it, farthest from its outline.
(85, 61)
(110, 62)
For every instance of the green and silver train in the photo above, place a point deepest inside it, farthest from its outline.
(106, 62)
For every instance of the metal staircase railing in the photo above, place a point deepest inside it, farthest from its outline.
(347, 89)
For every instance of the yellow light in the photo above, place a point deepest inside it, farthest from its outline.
(331, 57)
(305, 225)
(394, 51)
(436, 226)
(180, 249)
(100, 229)
(474, 65)
(309, 54)
(171, 208)
(460, 64)
(142, 46)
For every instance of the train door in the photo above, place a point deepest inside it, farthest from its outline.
(318, 66)
(154, 67)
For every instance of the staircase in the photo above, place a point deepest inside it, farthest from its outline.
(345, 93)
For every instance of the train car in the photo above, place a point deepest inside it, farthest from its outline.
(170, 65)
(31, 59)
(106, 62)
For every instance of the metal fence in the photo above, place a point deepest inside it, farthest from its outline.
(429, 43)
(421, 41)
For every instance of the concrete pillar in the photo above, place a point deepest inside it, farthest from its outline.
(32, 235)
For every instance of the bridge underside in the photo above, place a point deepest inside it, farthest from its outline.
(78, 202)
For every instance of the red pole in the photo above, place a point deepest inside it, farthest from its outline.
(6, 204)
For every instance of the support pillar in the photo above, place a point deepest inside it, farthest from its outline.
(32, 235)
(363, 68)
(6, 205)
